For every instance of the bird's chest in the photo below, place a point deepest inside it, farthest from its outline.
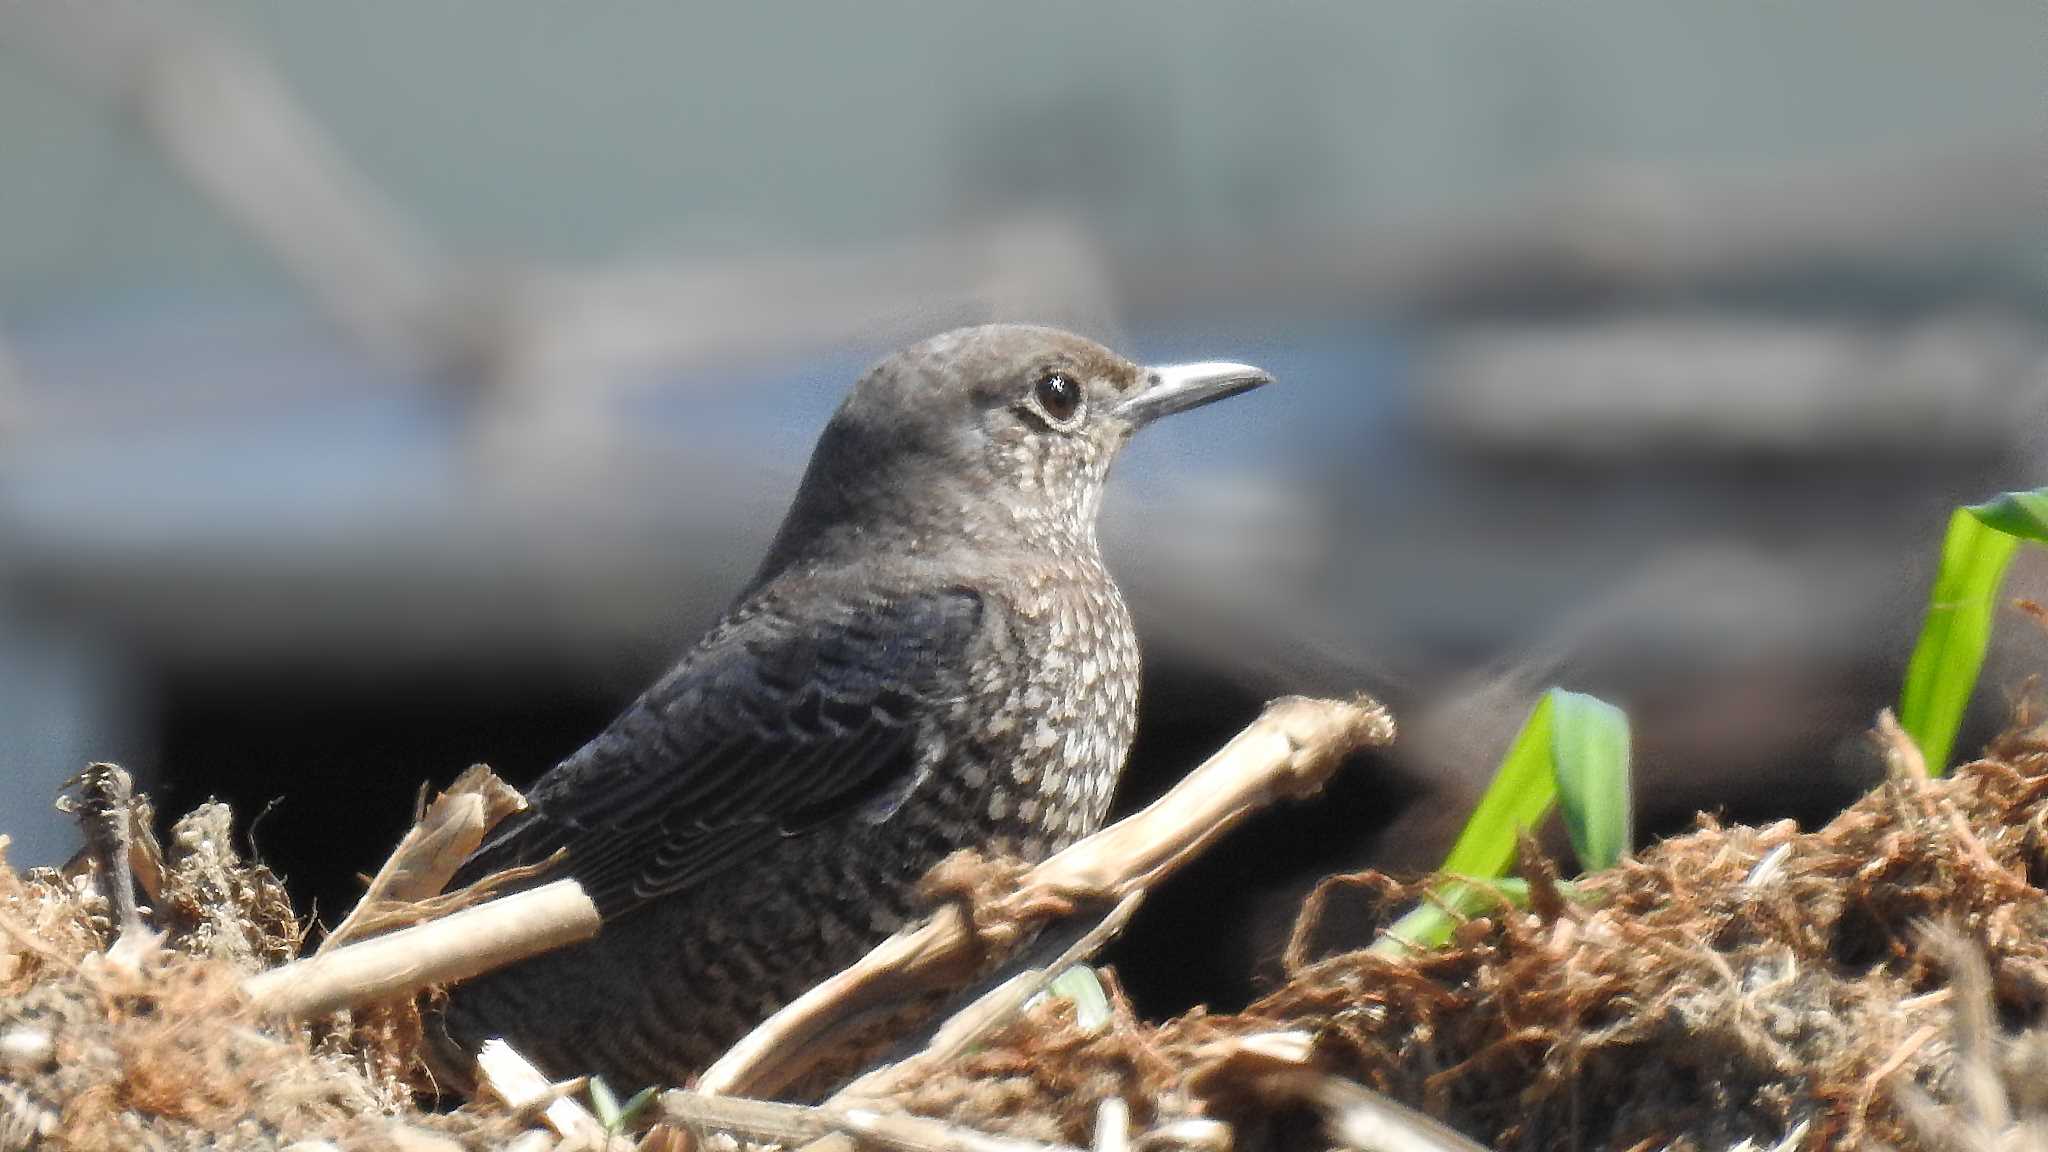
(1058, 697)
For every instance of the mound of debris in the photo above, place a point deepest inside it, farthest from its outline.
(116, 1036)
(1872, 983)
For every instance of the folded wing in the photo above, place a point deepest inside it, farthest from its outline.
(778, 721)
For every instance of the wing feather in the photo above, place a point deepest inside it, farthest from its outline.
(778, 720)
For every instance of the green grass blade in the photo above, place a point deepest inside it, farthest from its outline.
(636, 1104)
(1450, 904)
(605, 1104)
(1589, 751)
(1570, 741)
(2023, 515)
(1522, 793)
(1949, 655)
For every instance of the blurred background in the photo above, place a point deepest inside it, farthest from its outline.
(391, 386)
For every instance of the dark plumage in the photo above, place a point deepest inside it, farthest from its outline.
(932, 656)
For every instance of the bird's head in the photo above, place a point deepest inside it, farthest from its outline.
(993, 434)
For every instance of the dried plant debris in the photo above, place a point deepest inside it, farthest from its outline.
(1880, 982)
(1734, 987)
(160, 1049)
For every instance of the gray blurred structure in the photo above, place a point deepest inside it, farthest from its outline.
(366, 366)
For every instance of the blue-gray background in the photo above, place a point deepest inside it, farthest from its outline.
(387, 386)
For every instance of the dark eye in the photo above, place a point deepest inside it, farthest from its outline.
(1058, 396)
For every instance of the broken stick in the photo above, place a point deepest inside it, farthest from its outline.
(1288, 752)
(475, 940)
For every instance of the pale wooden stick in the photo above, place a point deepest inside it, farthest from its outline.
(1112, 1126)
(1186, 1134)
(1289, 751)
(433, 848)
(787, 1124)
(969, 1025)
(1278, 1065)
(467, 943)
(919, 1134)
(1361, 1118)
(753, 1120)
(514, 1079)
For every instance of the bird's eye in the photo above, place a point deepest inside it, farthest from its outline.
(1058, 396)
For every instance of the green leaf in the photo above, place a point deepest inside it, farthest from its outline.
(1449, 904)
(1572, 745)
(2023, 515)
(634, 1105)
(1949, 655)
(1589, 752)
(604, 1104)
(1523, 791)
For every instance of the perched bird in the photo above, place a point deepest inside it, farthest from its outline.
(931, 657)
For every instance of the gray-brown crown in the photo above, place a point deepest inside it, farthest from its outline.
(994, 436)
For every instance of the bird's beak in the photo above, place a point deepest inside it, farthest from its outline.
(1170, 388)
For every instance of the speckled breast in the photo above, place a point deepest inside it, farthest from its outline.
(1057, 735)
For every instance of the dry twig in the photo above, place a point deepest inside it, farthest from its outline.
(814, 1125)
(1112, 1126)
(104, 795)
(1276, 1066)
(1289, 751)
(475, 940)
(968, 1026)
(514, 1079)
(447, 831)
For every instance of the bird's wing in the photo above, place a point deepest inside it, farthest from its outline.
(775, 722)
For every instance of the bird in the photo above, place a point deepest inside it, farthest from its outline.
(931, 656)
